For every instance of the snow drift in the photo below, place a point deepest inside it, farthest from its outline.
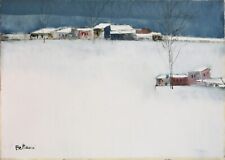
(97, 99)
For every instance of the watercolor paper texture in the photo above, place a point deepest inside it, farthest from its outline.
(78, 89)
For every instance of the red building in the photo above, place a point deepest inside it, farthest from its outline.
(143, 31)
(176, 80)
(85, 33)
(180, 80)
(199, 74)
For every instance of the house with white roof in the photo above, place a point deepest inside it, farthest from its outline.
(199, 74)
(102, 31)
(122, 32)
(44, 33)
(66, 33)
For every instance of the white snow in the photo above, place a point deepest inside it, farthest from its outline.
(97, 99)
(144, 36)
(199, 39)
(200, 69)
(18, 36)
(65, 30)
(122, 32)
(102, 25)
(84, 29)
(45, 30)
(212, 81)
(163, 76)
(179, 75)
(122, 29)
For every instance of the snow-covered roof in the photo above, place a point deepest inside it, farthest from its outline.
(121, 27)
(179, 75)
(221, 86)
(84, 29)
(201, 69)
(101, 25)
(163, 76)
(156, 33)
(211, 81)
(45, 30)
(65, 30)
(148, 35)
(123, 32)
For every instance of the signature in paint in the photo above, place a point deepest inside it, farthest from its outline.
(23, 147)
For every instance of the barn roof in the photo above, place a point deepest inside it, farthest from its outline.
(163, 76)
(179, 76)
(102, 25)
(84, 29)
(200, 69)
(121, 27)
(45, 30)
(123, 32)
(65, 30)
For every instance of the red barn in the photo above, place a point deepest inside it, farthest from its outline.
(180, 80)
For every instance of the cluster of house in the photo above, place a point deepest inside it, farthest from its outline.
(100, 31)
(200, 76)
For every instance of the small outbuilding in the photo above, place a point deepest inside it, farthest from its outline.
(85, 33)
(44, 33)
(162, 80)
(66, 33)
(155, 36)
(102, 31)
(143, 31)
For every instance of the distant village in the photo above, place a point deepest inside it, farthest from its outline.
(199, 77)
(106, 31)
(100, 31)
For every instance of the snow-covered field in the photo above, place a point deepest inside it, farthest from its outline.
(97, 99)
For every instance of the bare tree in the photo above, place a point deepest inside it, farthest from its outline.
(172, 23)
